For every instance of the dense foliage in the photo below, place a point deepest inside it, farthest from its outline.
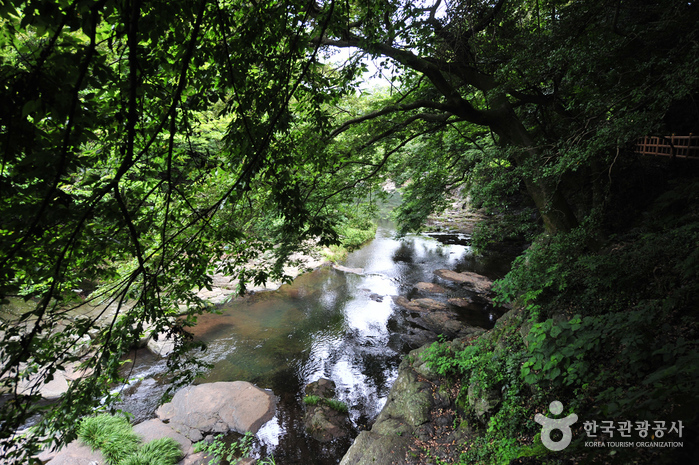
(144, 146)
(147, 144)
(611, 333)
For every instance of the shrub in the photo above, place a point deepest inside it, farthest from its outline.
(221, 451)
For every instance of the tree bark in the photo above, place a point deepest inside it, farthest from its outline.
(552, 205)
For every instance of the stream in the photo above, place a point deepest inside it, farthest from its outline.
(341, 325)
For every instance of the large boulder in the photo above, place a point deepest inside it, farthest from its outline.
(370, 448)
(417, 410)
(475, 281)
(218, 408)
(407, 409)
(484, 402)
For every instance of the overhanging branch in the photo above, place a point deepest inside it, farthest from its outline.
(391, 109)
(458, 105)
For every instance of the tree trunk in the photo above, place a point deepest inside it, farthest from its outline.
(552, 205)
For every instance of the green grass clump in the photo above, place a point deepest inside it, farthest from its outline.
(120, 445)
(337, 405)
(332, 403)
(112, 435)
(312, 400)
(163, 451)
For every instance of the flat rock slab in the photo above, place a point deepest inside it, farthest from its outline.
(430, 288)
(475, 281)
(156, 429)
(346, 269)
(77, 454)
(218, 408)
(419, 305)
(462, 302)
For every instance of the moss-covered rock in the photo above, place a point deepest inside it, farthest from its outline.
(322, 420)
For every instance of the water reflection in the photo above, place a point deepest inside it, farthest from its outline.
(329, 323)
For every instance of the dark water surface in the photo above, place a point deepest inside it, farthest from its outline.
(335, 324)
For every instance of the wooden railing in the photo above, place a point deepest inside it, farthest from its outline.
(669, 146)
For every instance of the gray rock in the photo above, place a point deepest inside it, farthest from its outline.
(420, 366)
(483, 402)
(325, 424)
(51, 390)
(405, 415)
(442, 323)
(323, 387)
(77, 454)
(321, 421)
(219, 408)
(161, 345)
(156, 429)
(409, 400)
(418, 337)
(374, 449)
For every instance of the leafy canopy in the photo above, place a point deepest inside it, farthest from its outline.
(113, 174)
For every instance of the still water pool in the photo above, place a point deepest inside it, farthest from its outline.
(341, 325)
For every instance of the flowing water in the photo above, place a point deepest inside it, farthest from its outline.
(341, 325)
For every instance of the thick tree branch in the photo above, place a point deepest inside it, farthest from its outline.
(485, 22)
(391, 109)
(431, 70)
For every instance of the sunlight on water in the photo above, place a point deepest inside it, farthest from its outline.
(328, 323)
